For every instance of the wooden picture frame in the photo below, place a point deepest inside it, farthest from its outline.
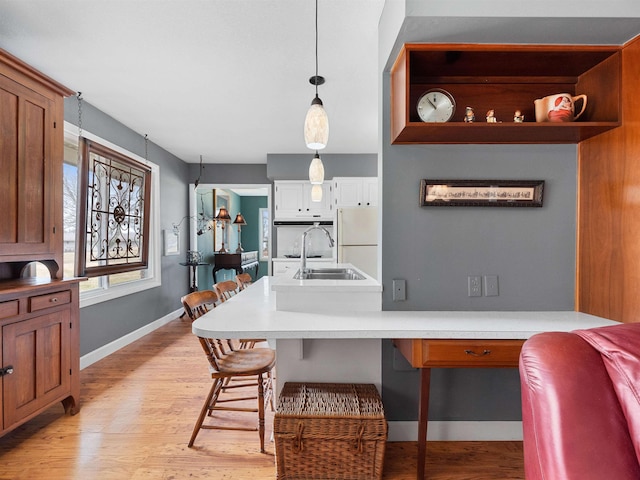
(481, 193)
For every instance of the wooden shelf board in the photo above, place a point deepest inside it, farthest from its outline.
(508, 132)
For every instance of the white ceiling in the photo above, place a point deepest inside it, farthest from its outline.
(225, 79)
(229, 79)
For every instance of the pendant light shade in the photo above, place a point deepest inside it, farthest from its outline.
(316, 193)
(316, 170)
(316, 126)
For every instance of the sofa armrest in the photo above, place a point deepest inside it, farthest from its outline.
(573, 426)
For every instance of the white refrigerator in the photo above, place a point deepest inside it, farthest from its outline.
(357, 233)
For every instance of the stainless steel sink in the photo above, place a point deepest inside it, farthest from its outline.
(328, 274)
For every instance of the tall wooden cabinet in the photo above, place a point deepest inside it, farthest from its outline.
(39, 319)
(608, 263)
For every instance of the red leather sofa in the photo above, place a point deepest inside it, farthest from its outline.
(581, 404)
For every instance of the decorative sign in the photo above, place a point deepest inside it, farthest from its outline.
(481, 193)
(171, 242)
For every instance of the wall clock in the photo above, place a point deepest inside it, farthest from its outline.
(436, 105)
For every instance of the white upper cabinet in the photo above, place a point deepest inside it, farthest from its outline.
(355, 191)
(293, 201)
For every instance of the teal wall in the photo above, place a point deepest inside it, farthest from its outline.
(251, 232)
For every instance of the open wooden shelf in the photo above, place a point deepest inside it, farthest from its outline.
(505, 78)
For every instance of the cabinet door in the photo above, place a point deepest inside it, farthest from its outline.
(370, 191)
(348, 191)
(289, 201)
(38, 349)
(322, 209)
(26, 165)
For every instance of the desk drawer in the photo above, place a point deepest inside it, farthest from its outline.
(451, 353)
(41, 302)
(8, 309)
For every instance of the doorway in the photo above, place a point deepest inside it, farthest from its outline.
(207, 235)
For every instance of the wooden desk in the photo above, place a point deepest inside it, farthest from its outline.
(240, 262)
(445, 353)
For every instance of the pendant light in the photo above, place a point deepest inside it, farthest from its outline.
(316, 170)
(316, 123)
(316, 193)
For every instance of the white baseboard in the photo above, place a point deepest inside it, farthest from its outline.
(457, 431)
(106, 350)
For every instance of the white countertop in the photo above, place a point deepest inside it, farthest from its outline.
(252, 313)
(297, 259)
(286, 283)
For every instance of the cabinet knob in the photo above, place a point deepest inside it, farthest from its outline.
(53, 299)
(6, 371)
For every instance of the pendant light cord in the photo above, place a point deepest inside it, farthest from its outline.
(316, 79)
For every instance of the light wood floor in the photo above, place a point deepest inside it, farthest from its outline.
(138, 409)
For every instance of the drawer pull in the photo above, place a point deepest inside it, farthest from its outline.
(6, 371)
(472, 353)
(54, 300)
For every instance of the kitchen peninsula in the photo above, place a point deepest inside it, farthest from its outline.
(253, 313)
(334, 342)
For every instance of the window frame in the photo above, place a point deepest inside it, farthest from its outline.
(85, 213)
(261, 237)
(153, 276)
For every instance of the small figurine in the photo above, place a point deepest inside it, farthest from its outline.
(491, 116)
(469, 116)
(518, 117)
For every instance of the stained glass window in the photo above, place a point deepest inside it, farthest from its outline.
(115, 196)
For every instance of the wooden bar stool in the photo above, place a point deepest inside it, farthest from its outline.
(243, 280)
(227, 363)
(226, 289)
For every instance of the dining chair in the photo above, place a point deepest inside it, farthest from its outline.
(227, 363)
(200, 302)
(243, 280)
(226, 289)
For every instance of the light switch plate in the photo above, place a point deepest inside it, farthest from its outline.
(491, 286)
(399, 290)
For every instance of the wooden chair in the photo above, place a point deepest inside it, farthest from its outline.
(198, 303)
(243, 280)
(226, 363)
(226, 289)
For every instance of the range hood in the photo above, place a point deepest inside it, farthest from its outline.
(277, 223)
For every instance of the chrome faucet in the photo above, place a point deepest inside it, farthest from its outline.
(303, 248)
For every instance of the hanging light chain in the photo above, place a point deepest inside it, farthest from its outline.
(79, 127)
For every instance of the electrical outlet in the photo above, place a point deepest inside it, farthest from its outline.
(399, 290)
(491, 286)
(474, 284)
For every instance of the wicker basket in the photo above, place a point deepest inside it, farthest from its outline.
(333, 431)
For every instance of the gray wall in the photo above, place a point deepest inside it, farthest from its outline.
(105, 322)
(228, 173)
(296, 166)
(532, 250)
